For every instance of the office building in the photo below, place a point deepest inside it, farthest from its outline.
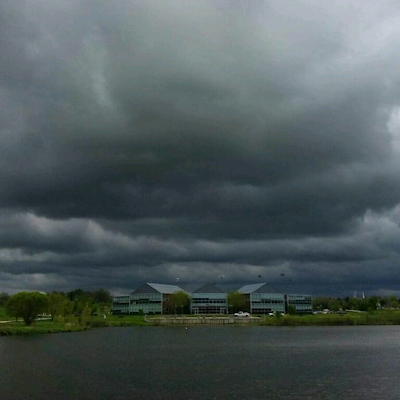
(152, 298)
(262, 299)
(209, 299)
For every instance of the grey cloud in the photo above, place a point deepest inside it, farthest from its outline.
(355, 258)
(149, 134)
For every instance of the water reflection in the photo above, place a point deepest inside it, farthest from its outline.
(203, 363)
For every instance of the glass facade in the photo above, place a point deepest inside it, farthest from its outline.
(120, 305)
(263, 303)
(301, 303)
(209, 303)
(208, 310)
(148, 303)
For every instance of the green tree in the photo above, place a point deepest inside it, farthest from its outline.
(79, 305)
(363, 304)
(236, 301)
(103, 301)
(4, 298)
(373, 302)
(353, 304)
(27, 305)
(104, 309)
(102, 296)
(180, 301)
(320, 303)
(392, 302)
(69, 308)
(57, 304)
(78, 294)
(335, 304)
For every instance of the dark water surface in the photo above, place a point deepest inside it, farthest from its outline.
(204, 363)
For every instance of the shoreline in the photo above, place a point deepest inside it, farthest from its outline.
(76, 324)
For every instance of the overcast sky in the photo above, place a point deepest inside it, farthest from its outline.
(154, 140)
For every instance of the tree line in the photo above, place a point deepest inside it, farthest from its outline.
(353, 303)
(28, 305)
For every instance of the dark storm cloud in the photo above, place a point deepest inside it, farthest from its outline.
(197, 137)
(94, 253)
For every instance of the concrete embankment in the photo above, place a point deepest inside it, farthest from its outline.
(171, 320)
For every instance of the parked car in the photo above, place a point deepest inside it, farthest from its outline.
(242, 314)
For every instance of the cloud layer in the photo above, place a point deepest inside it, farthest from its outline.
(153, 140)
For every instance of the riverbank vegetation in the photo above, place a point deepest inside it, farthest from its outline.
(28, 305)
(69, 323)
(378, 317)
(82, 323)
(356, 303)
(27, 313)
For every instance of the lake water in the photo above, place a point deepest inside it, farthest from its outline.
(204, 363)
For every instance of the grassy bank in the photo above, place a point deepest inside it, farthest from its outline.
(39, 327)
(116, 320)
(351, 318)
(77, 324)
(68, 324)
